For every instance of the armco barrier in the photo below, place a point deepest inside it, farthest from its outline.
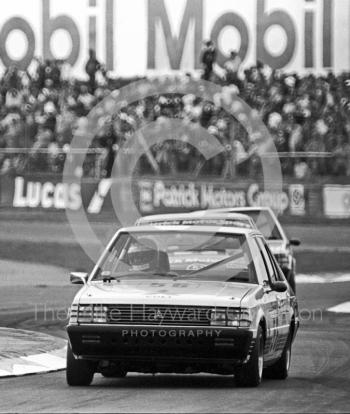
(155, 195)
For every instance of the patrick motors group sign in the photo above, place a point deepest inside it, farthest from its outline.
(134, 37)
(161, 196)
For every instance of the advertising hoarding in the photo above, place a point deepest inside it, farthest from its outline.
(138, 37)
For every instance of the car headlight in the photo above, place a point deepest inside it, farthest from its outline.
(240, 318)
(92, 314)
(73, 314)
(85, 313)
(233, 317)
(218, 317)
(245, 318)
(100, 314)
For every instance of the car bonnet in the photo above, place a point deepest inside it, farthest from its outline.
(160, 291)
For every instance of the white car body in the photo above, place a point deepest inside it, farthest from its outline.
(266, 313)
(281, 247)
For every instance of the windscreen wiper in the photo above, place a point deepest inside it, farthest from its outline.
(108, 279)
(169, 274)
(223, 261)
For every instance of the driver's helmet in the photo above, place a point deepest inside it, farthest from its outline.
(143, 255)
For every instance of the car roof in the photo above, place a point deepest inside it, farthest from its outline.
(199, 229)
(200, 218)
(207, 214)
(241, 209)
(213, 213)
(270, 211)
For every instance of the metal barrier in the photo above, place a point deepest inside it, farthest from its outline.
(99, 161)
(50, 160)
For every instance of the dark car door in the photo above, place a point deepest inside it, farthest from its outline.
(269, 299)
(283, 300)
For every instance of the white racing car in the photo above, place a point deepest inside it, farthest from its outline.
(183, 299)
(267, 223)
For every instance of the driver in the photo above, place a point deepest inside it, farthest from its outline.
(143, 255)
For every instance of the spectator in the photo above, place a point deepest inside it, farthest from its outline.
(14, 100)
(232, 67)
(12, 79)
(91, 68)
(55, 75)
(40, 109)
(86, 99)
(208, 59)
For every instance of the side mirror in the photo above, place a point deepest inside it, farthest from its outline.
(294, 242)
(279, 287)
(78, 278)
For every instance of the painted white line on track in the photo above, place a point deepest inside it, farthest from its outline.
(323, 278)
(33, 364)
(47, 360)
(341, 308)
(21, 369)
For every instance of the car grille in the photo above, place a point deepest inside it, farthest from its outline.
(159, 315)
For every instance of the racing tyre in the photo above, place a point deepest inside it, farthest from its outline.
(280, 369)
(78, 372)
(292, 281)
(250, 374)
(120, 373)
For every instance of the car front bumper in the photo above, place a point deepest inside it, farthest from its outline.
(161, 343)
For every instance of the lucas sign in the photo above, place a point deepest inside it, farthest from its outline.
(135, 37)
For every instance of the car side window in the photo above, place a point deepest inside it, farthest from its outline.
(277, 271)
(267, 260)
(260, 262)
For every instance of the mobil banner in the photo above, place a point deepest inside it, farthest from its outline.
(136, 37)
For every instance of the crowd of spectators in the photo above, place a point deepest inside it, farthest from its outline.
(307, 116)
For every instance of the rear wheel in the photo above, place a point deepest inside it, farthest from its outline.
(78, 372)
(250, 374)
(280, 369)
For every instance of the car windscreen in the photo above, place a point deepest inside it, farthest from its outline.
(178, 254)
(265, 223)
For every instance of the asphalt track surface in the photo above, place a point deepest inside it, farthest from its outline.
(319, 379)
(41, 231)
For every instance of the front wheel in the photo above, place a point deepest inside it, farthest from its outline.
(250, 374)
(78, 372)
(290, 276)
(116, 373)
(280, 369)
